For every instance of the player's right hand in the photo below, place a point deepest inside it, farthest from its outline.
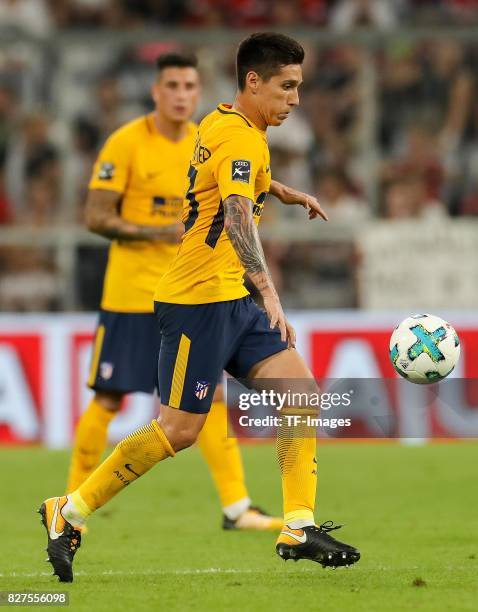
(167, 233)
(174, 233)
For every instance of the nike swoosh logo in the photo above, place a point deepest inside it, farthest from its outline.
(54, 535)
(302, 539)
(130, 469)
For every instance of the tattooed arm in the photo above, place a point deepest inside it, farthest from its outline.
(103, 218)
(242, 232)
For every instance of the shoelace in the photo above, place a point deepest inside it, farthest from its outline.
(327, 526)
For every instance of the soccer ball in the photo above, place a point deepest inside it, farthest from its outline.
(424, 348)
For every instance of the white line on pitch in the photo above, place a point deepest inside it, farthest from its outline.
(185, 572)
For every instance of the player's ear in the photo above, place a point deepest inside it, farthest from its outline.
(252, 81)
(154, 93)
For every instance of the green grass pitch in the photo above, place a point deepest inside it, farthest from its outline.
(412, 511)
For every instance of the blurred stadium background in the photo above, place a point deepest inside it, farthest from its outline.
(387, 132)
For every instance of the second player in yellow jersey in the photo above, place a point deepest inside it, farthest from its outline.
(152, 188)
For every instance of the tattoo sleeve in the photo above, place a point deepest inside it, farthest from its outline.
(102, 217)
(242, 232)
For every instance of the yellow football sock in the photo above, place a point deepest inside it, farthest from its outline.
(90, 441)
(296, 447)
(131, 458)
(223, 456)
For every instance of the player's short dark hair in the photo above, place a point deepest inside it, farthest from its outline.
(266, 53)
(176, 59)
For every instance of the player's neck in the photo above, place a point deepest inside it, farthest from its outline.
(172, 130)
(249, 110)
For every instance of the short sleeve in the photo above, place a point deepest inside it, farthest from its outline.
(112, 167)
(236, 163)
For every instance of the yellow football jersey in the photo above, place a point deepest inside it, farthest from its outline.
(149, 171)
(231, 156)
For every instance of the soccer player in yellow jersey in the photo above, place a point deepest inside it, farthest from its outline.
(208, 321)
(135, 198)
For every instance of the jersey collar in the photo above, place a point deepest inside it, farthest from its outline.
(227, 109)
(153, 130)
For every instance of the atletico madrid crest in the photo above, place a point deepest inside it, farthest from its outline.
(202, 388)
(106, 370)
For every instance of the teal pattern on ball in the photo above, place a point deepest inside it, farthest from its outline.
(394, 354)
(427, 342)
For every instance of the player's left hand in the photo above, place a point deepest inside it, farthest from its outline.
(310, 203)
(291, 337)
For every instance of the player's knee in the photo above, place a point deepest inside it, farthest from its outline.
(183, 439)
(110, 400)
(180, 437)
(181, 428)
